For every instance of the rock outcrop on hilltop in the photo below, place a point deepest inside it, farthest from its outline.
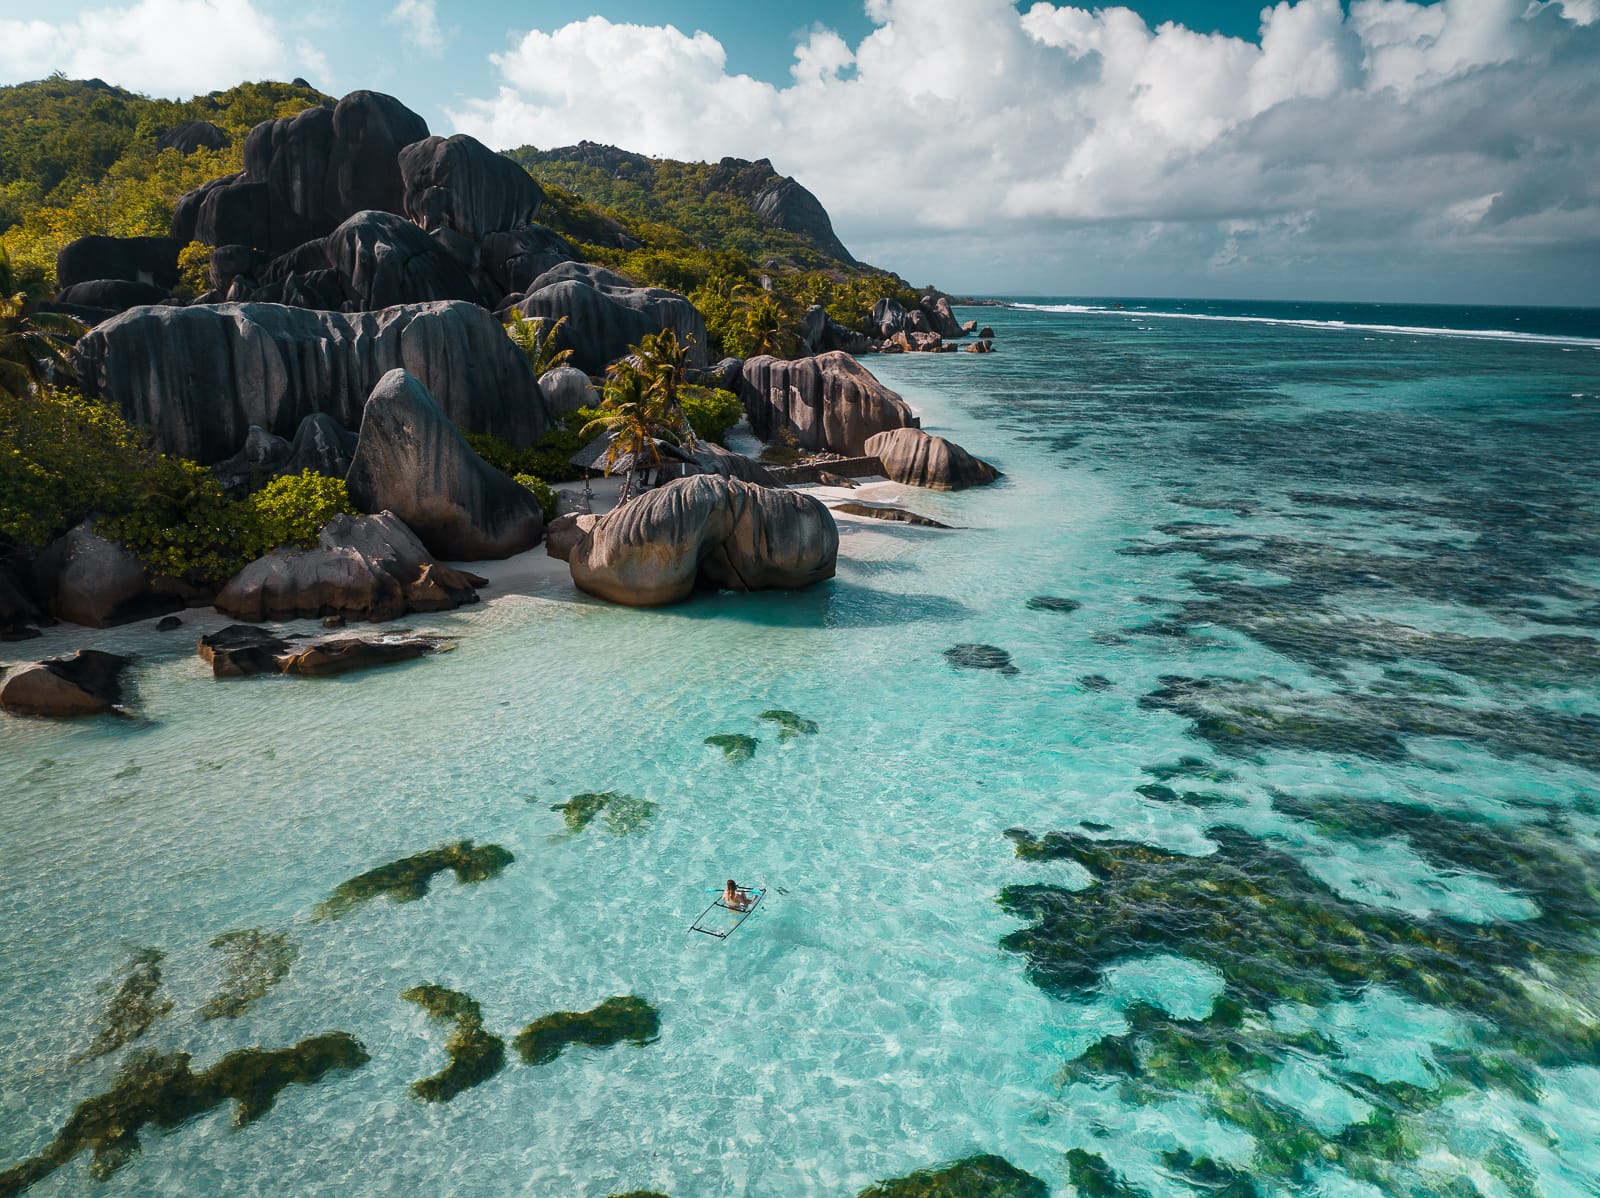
(828, 402)
(412, 461)
(199, 377)
(461, 184)
(149, 260)
(782, 201)
(383, 260)
(919, 459)
(87, 683)
(364, 568)
(191, 136)
(305, 175)
(716, 531)
(607, 315)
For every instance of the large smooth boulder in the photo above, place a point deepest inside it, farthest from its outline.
(191, 136)
(566, 389)
(565, 531)
(708, 529)
(199, 377)
(513, 260)
(385, 260)
(888, 318)
(936, 308)
(919, 459)
(412, 461)
(304, 175)
(459, 183)
(363, 568)
(87, 683)
(606, 315)
(321, 444)
(151, 260)
(84, 578)
(829, 402)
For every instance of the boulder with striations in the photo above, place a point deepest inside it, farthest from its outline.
(710, 530)
(607, 315)
(384, 260)
(937, 310)
(304, 175)
(459, 183)
(363, 568)
(199, 377)
(566, 389)
(829, 402)
(512, 260)
(412, 461)
(919, 459)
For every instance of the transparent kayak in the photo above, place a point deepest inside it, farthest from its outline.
(721, 920)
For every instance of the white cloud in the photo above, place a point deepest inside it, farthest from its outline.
(162, 47)
(419, 26)
(1372, 132)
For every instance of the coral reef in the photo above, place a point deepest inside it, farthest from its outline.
(408, 879)
(475, 1055)
(254, 962)
(617, 1019)
(132, 1008)
(982, 1176)
(735, 746)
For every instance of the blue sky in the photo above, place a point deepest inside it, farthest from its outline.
(1371, 149)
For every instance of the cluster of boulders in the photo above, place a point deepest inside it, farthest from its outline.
(931, 327)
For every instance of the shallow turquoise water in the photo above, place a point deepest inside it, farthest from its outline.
(1389, 543)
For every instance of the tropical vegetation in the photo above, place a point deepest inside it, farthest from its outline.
(641, 409)
(537, 338)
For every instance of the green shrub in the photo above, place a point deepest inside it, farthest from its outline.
(711, 411)
(183, 525)
(542, 491)
(548, 459)
(291, 510)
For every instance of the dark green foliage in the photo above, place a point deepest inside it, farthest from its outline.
(711, 411)
(474, 1054)
(132, 1008)
(624, 813)
(1277, 934)
(982, 1176)
(618, 1019)
(255, 962)
(408, 879)
(160, 1089)
(1093, 1178)
(549, 458)
(735, 746)
(790, 725)
(542, 491)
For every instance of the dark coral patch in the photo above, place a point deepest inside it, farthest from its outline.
(254, 962)
(735, 746)
(475, 1055)
(980, 657)
(133, 1006)
(624, 813)
(618, 1019)
(159, 1089)
(790, 724)
(408, 879)
(982, 1176)
(1053, 603)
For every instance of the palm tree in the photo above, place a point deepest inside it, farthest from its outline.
(537, 341)
(768, 328)
(641, 406)
(34, 345)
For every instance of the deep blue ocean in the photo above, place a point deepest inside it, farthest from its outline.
(1272, 868)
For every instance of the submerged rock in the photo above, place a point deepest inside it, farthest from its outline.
(408, 879)
(828, 402)
(160, 1089)
(624, 812)
(708, 529)
(623, 1018)
(1052, 603)
(980, 657)
(790, 724)
(412, 461)
(253, 963)
(919, 459)
(87, 683)
(133, 1007)
(982, 1176)
(735, 746)
(475, 1055)
(364, 568)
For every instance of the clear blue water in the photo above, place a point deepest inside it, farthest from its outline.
(1354, 572)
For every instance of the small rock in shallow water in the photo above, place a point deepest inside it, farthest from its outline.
(980, 657)
(169, 624)
(1053, 603)
(333, 621)
(1095, 682)
(790, 725)
(87, 683)
(735, 746)
(983, 1176)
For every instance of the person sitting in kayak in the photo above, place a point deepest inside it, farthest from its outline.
(736, 897)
